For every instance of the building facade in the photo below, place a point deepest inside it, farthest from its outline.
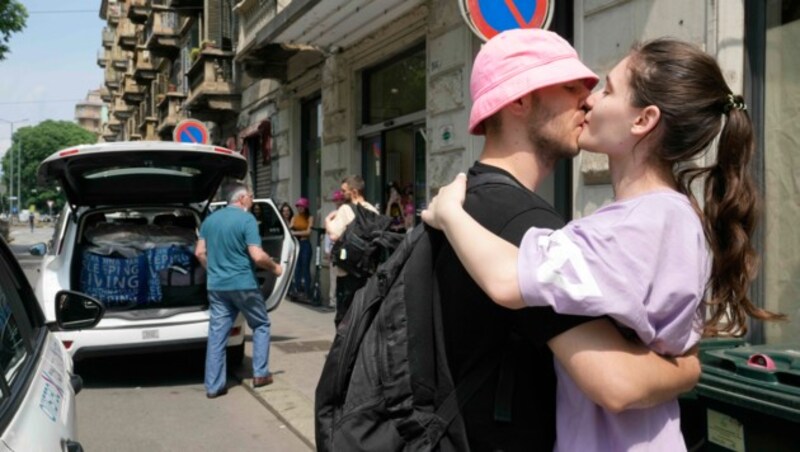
(313, 90)
(91, 113)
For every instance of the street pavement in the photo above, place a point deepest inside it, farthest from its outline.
(301, 337)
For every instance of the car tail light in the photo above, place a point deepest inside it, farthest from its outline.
(235, 331)
(66, 153)
(223, 150)
(67, 344)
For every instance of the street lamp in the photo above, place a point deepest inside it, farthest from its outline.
(11, 168)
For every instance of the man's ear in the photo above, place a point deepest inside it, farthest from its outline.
(519, 106)
(646, 121)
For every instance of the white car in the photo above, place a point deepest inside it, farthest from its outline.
(127, 236)
(37, 388)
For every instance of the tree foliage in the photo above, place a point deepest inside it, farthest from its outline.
(35, 144)
(12, 20)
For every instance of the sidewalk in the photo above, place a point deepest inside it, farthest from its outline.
(301, 337)
(20, 234)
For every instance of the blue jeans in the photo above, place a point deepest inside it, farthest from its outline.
(302, 274)
(224, 305)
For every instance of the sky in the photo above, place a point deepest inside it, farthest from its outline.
(52, 64)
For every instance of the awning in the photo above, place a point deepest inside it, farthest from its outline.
(330, 24)
(261, 129)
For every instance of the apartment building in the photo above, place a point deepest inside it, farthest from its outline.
(91, 113)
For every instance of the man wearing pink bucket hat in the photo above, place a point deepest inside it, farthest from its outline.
(528, 91)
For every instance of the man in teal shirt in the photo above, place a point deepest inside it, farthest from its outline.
(230, 249)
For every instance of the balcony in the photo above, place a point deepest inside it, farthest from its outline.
(132, 92)
(115, 12)
(170, 112)
(106, 95)
(88, 110)
(161, 33)
(211, 87)
(108, 37)
(138, 10)
(114, 125)
(143, 70)
(102, 58)
(112, 79)
(122, 110)
(119, 59)
(126, 35)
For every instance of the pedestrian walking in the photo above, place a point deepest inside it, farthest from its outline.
(335, 224)
(230, 248)
(31, 221)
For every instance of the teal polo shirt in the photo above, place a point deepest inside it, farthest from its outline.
(228, 232)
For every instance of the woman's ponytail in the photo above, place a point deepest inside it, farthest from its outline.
(730, 214)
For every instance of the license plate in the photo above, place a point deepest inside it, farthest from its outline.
(149, 334)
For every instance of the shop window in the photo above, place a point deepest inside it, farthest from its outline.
(395, 88)
(392, 133)
(781, 127)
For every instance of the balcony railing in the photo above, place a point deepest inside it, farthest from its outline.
(108, 37)
(132, 92)
(147, 119)
(119, 59)
(115, 12)
(211, 84)
(161, 33)
(144, 70)
(253, 17)
(102, 58)
(112, 79)
(170, 112)
(121, 110)
(105, 95)
(126, 34)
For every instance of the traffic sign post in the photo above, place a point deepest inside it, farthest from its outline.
(190, 131)
(487, 18)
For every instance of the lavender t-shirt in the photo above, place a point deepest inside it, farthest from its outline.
(645, 263)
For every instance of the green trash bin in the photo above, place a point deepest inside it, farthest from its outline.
(748, 399)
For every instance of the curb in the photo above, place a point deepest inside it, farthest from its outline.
(287, 404)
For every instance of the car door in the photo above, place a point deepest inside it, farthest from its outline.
(279, 243)
(277, 240)
(37, 399)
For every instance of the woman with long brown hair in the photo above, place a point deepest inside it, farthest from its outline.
(652, 260)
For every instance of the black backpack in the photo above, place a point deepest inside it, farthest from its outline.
(365, 243)
(385, 384)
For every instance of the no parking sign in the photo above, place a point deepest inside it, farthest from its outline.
(487, 18)
(190, 131)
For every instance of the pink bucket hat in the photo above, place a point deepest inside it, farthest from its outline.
(302, 202)
(516, 62)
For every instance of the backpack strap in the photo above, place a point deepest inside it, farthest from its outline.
(504, 393)
(492, 178)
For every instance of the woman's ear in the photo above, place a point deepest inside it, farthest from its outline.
(646, 121)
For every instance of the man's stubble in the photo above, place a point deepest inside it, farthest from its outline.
(550, 141)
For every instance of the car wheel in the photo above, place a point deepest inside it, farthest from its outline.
(235, 355)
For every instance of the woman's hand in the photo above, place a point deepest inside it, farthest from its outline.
(450, 199)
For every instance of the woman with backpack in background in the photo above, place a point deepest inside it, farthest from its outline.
(652, 260)
(300, 226)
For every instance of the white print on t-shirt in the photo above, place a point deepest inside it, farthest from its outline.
(559, 250)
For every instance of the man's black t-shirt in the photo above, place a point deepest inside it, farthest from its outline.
(476, 328)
